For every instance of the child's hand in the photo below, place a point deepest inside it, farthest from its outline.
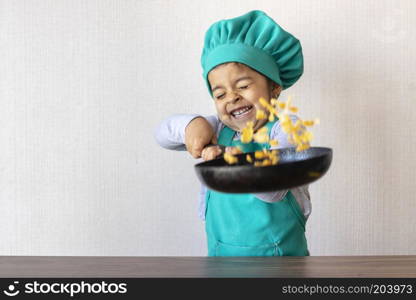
(198, 134)
(211, 152)
(233, 150)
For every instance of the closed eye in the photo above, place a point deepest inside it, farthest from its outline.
(243, 87)
(220, 96)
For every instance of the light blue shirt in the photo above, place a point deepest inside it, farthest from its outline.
(170, 134)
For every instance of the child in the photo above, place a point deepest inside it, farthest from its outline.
(244, 59)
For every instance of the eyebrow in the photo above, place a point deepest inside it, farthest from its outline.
(239, 79)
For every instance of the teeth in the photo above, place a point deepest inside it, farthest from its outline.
(241, 111)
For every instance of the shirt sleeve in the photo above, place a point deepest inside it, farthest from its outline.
(282, 138)
(170, 133)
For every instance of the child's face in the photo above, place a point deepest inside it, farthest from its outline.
(237, 89)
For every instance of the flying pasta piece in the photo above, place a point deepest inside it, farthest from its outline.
(230, 159)
(297, 134)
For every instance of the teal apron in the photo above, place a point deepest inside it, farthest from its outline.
(243, 225)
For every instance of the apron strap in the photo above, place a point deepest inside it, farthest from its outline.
(226, 138)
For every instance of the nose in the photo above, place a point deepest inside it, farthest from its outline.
(235, 97)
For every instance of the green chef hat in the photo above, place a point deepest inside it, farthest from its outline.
(257, 41)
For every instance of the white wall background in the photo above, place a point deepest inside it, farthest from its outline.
(83, 84)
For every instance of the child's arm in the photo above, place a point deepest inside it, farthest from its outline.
(187, 132)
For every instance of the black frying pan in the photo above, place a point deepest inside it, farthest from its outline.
(293, 169)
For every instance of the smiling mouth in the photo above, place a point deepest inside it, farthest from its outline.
(241, 111)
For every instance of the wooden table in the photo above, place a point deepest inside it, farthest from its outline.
(152, 267)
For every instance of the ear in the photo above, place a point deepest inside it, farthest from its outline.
(275, 90)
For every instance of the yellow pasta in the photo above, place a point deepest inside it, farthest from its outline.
(296, 139)
(260, 115)
(273, 143)
(262, 130)
(261, 138)
(306, 137)
(259, 154)
(249, 159)
(297, 127)
(310, 122)
(266, 162)
(302, 147)
(269, 107)
(247, 133)
(265, 103)
(297, 133)
(289, 102)
(230, 159)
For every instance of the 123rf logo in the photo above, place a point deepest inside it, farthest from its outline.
(71, 289)
(11, 289)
